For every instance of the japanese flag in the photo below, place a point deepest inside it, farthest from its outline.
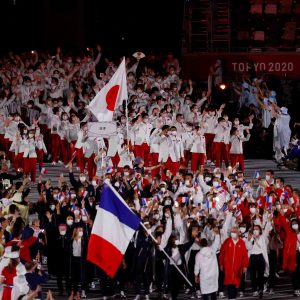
(110, 96)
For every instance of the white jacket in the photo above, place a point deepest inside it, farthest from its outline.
(142, 133)
(206, 265)
(199, 145)
(237, 144)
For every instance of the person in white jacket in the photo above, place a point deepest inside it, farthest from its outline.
(207, 271)
(198, 150)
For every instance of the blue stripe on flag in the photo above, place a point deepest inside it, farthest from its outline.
(110, 202)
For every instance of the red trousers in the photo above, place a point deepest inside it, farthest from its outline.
(2, 142)
(19, 159)
(55, 146)
(115, 160)
(238, 158)
(80, 159)
(91, 166)
(198, 160)
(65, 149)
(173, 167)
(187, 157)
(40, 157)
(221, 153)
(154, 162)
(209, 139)
(30, 167)
(143, 151)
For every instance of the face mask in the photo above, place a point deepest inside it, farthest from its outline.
(163, 189)
(156, 217)
(285, 210)
(62, 232)
(295, 226)
(168, 202)
(84, 218)
(55, 196)
(256, 232)
(76, 212)
(52, 207)
(174, 133)
(278, 206)
(218, 175)
(177, 242)
(277, 185)
(25, 131)
(207, 179)
(126, 173)
(94, 182)
(253, 210)
(82, 178)
(65, 118)
(117, 184)
(17, 119)
(187, 182)
(233, 235)
(215, 184)
(268, 177)
(73, 196)
(80, 233)
(242, 229)
(123, 121)
(70, 222)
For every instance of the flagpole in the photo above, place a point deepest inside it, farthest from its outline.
(127, 126)
(167, 255)
(152, 237)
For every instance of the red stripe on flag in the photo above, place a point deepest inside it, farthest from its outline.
(103, 254)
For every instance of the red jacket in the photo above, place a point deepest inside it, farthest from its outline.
(24, 247)
(233, 258)
(290, 246)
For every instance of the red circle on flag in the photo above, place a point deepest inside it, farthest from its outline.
(111, 97)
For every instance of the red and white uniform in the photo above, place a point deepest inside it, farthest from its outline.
(236, 150)
(198, 151)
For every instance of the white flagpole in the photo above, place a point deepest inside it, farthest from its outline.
(152, 237)
(127, 125)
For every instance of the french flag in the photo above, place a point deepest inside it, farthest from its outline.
(114, 227)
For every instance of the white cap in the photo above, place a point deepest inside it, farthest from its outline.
(284, 110)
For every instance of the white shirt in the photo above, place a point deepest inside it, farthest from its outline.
(77, 248)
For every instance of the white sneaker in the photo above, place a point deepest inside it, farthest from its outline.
(92, 285)
(297, 293)
(137, 297)
(241, 294)
(221, 295)
(151, 288)
(60, 162)
(83, 294)
(212, 164)
(265, 287)
(122, 294)
(208, 162)
(147, 297)
(271, 292)
(198, 294)
(53, 163)
(187, 291)
(255, 294)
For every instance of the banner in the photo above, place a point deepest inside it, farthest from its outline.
(281, 65)
(101, 129)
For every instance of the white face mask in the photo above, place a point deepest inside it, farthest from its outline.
(277, 185)
(30, 135)
(94, 182)
(218, 175)
(70, 222)
(80, 233)
(278, 206)
(253, 210)
(52, 207)
(62, 232)
(242, 229)
(82, 178)
(207, 179)
(167, 215)
(215, 183)
(187, 182)
(174, 133)
(84, 218)
(156, 217)
(76, 212)
(73, 196)
(268, 177)
(126, 173)
(234, 235)
(177, 242)
(295, 226)
(117, 184)
(285, 210)
(256, 232)
(236, 122)
(163, 189)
